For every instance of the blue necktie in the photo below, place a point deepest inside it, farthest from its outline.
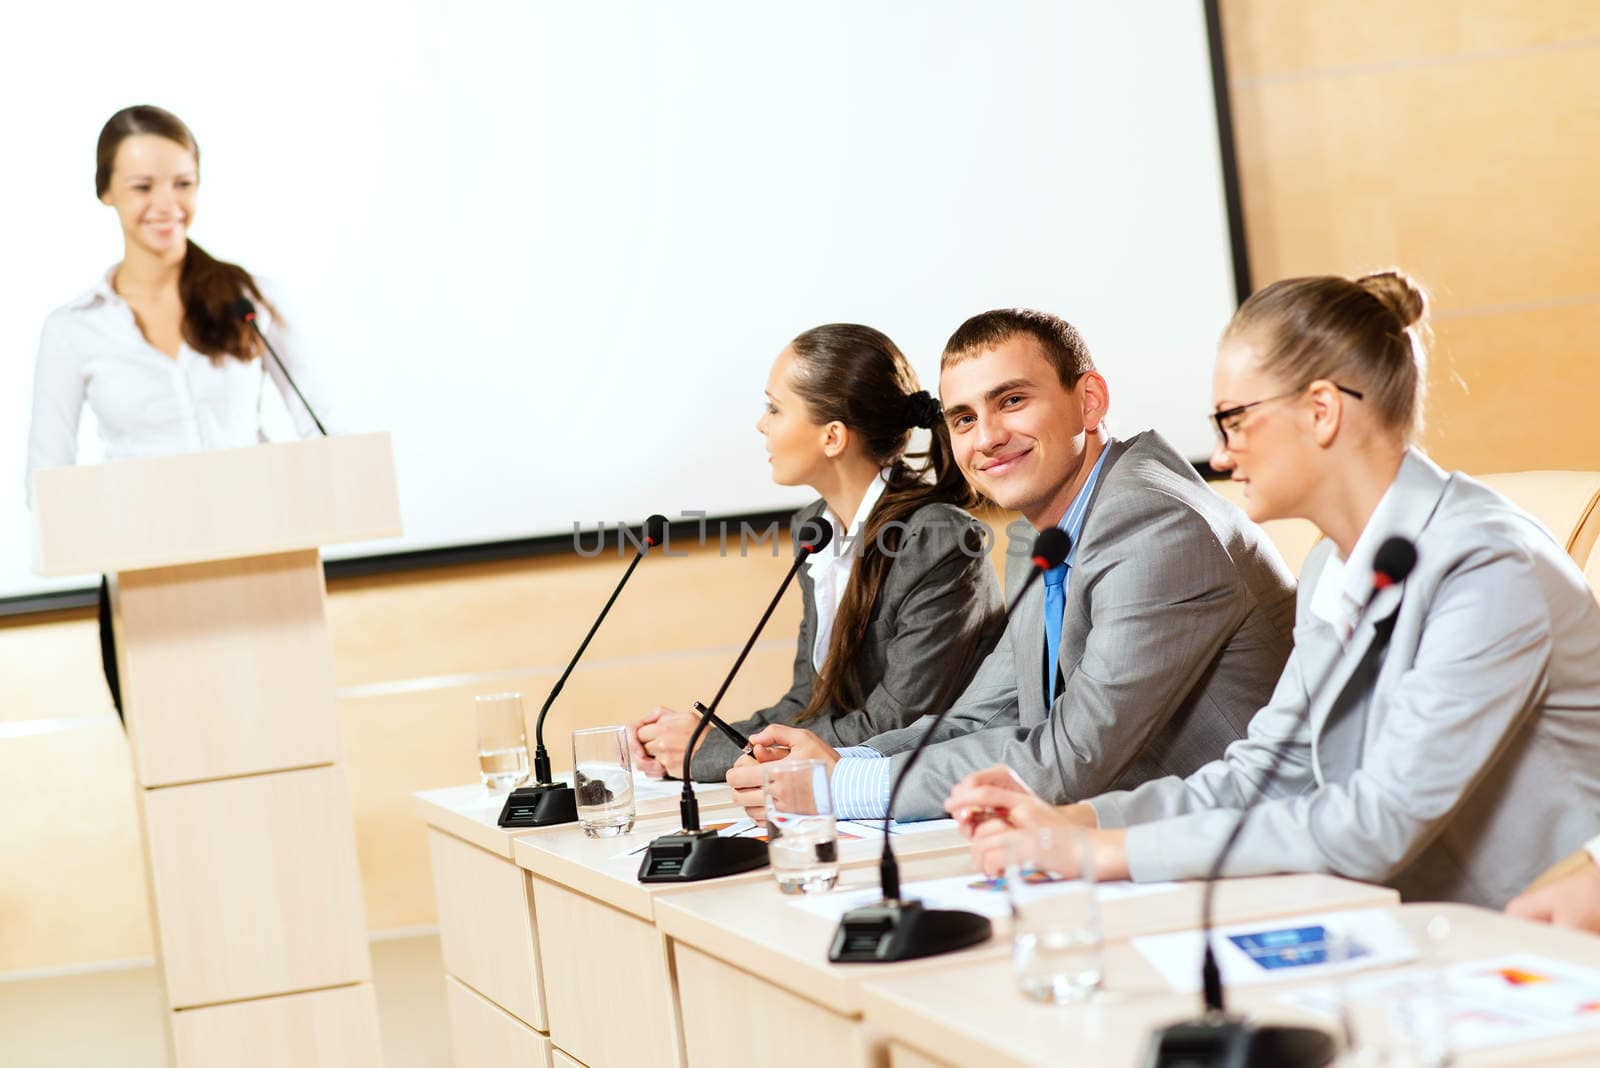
(1055, 606)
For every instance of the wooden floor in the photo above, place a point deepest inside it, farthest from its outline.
(114, 1017)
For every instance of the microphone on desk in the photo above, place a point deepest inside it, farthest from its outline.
(245, 312)
(693, 854)
(896, 929)
(544, 802)
(1217, 1040)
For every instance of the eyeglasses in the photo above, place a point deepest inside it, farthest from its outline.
(1227, 420)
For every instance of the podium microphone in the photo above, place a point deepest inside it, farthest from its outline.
(1217, 1040)
(545, 802)
(897, 929)
(245, 312)
(693, 854)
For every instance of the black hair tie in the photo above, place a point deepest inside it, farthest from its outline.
(924, 410)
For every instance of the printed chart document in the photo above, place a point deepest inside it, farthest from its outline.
(1297, 947)
(1515, 998)
(972, 893)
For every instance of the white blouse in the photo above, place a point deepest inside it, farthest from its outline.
(830, 569)
(145, 402)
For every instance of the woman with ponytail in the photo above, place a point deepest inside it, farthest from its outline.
(156, 348)
(1437, 729)
(903, 601)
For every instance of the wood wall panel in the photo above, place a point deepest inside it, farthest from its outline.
(533, 613)
(72, 886)
(1475, 177)
(1516, 391)
(50, 669)
(1292, 38)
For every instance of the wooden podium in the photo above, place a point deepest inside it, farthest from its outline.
(226, 667)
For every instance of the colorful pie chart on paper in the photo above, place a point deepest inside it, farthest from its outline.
(1518, 977)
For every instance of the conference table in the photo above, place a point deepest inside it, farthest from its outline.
(928, 1021)
(550, 949)
(747, 953)
(494, 986)
(555, 954)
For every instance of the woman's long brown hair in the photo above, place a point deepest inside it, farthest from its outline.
(856, 376)
(207, 286)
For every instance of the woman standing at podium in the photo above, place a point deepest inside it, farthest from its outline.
(899, 607)
(156, 348)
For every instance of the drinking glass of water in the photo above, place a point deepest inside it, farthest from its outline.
(1055, 916)
(602, 776)
(1400, 1019)
(502, 748)
(802, 844)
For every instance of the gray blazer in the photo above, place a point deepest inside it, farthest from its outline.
(1455, 751)
(937, 614)
(1177, 621)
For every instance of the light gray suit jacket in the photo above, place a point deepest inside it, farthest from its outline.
(1454, 753)
(937, 614)
(1177, 622)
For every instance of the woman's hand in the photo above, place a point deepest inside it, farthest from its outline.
(1572, 900)
(996, 812)
(774, 742)
(662, 737)
(643, 762)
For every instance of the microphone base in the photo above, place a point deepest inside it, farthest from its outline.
(690, 856)
(1219, 1041)
(904, 930)
(543, 804)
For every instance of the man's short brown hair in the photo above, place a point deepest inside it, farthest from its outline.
(1063, 346)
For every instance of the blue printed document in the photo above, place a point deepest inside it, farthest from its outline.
(1292, 948)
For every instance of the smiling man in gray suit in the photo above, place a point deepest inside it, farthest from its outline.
(1163, 631)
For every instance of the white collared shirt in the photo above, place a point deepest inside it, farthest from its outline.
(1344, 585)
(145, 402)
(830, 569)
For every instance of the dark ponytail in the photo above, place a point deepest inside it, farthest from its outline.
(856, 376)
(208, 287)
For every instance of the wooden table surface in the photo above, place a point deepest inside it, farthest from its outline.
(980, 1018)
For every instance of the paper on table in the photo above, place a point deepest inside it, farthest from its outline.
(647, 789)
(1292, 948)
(1492, 1002)
(971, 892)
(744, 827)
(874, 828)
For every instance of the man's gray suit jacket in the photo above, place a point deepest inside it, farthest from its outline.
(937, 614)
(1177, 623)
(1454, 752)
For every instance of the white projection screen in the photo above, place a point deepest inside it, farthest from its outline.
(554, 247)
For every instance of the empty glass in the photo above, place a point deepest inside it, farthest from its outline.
(502, 747)
(802, 843)
(1055, 918)
(602, 777)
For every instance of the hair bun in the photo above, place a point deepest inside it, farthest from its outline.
(1397, 292)
(923, 410)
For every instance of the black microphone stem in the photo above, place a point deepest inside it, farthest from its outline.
(1392, 563)
(688, 807)
(541, 757)
(888, 866)
(251, 319)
